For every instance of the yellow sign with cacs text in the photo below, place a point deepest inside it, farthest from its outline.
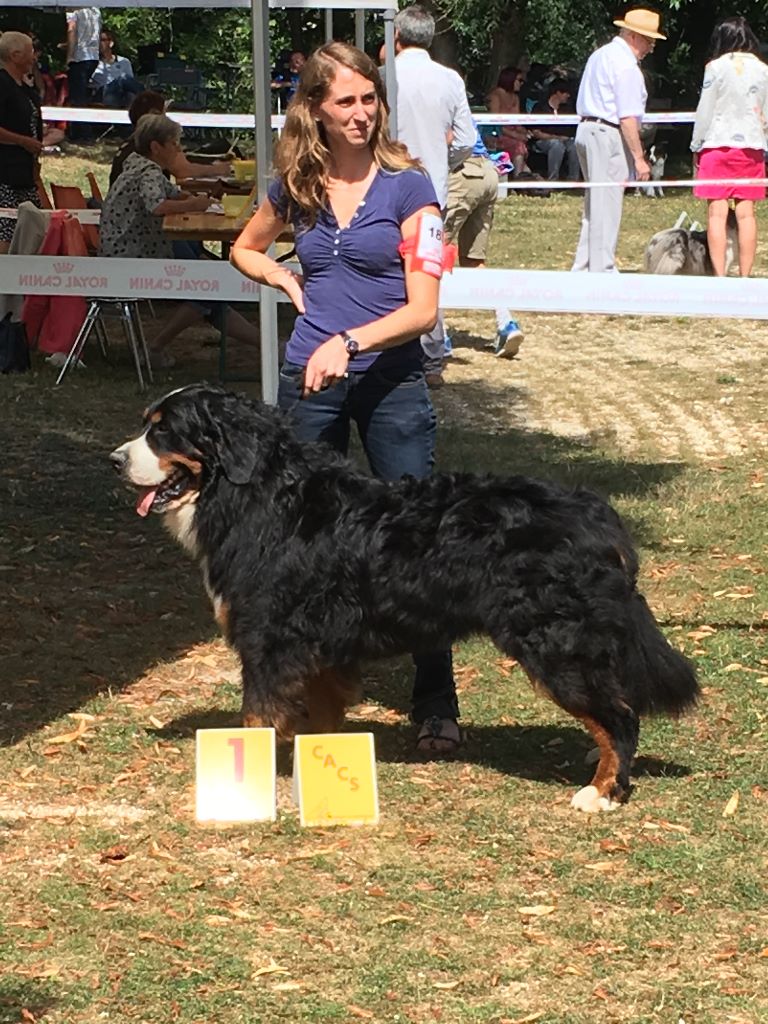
(235, 775)
(334, 778)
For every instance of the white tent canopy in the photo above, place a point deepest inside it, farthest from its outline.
(262, 106)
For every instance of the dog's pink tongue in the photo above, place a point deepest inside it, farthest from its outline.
(144, 504)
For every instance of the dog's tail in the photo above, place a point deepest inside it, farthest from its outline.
(659, 680)
(666, 252)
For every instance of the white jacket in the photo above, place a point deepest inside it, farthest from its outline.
(733, 106)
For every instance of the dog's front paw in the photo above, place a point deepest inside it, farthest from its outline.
(589, 800)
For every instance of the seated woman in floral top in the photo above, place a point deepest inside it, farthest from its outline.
(132, 223)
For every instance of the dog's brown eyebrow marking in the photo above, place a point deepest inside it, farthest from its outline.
(156, 416)
(171, 460)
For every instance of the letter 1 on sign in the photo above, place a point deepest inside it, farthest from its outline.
(238, 746)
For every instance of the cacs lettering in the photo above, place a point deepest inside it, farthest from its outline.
(341, 771)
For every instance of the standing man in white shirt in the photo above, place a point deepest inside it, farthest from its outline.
(611, 103)
(435, 123)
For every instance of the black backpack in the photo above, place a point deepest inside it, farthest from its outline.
(14, 348)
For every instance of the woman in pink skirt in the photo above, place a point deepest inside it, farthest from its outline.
(729, 137)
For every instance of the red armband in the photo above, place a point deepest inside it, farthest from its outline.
(427, 248)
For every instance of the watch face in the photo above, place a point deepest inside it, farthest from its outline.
(351, 346)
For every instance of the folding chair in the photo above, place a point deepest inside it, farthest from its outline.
(45, 202)
(128, 312)
(95, 190)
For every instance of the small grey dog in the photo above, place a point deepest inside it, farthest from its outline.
(680, 250)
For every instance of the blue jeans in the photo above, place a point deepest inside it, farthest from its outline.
(393, 413)
(121, 92)
(78, 75)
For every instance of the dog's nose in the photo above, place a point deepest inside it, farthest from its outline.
(118, 458)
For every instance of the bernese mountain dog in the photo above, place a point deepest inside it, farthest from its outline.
(313, 567)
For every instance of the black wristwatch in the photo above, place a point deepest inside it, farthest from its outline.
(350, 344)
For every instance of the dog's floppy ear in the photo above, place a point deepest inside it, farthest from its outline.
(237, 440)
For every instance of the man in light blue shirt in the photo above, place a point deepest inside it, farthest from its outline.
(114, 75)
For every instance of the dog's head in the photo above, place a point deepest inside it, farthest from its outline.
(190, 437)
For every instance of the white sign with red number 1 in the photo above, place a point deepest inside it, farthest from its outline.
(235, 775)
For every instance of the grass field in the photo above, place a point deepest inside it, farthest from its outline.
(481, 898)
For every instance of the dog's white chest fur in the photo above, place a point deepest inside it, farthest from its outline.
(180, 523)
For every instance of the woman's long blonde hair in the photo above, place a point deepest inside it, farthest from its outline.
(302, 156)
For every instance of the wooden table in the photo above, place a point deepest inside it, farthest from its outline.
(202, 227)
(209, 227)
(229, 185)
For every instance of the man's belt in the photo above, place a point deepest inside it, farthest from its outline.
(599, 120)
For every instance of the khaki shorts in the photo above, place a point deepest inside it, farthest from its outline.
(472, 191)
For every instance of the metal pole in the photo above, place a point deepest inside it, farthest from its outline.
(329, 25)
(390, 79)
(360, 29)
(263, 139)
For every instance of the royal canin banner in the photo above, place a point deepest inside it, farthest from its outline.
(546, 291)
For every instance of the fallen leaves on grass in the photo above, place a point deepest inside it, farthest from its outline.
(359, 1012)
(161, 939)
(538, 910)
(732, 806)
(613, 846)
(113, 855)
(393, 918)
(271, 968)
(445, 986)
(70, 737)
(528, 1019)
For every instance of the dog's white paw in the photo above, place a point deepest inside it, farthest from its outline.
(590, 801)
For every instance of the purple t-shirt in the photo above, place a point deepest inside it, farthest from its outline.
(354, 275)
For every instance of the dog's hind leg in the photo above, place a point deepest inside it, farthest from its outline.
(613, 724)
(616, 733)
(328, 694)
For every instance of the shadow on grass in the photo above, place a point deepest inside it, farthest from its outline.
(544, 753)
(21, 999)
(94, 597)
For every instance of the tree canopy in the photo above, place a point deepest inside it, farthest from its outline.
(477, 36)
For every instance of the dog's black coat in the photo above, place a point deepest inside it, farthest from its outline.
(320, 567)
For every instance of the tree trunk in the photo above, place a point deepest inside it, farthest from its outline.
(507, 43)
(445, 47)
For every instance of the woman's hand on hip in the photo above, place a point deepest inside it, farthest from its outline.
(292, 284)
(328, 364)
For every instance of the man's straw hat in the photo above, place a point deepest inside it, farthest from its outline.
(645, 23)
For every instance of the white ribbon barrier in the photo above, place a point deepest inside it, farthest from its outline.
(101, 115)
(84, 216)
(542, 291)
(527, 184)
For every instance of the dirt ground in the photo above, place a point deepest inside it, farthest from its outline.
(596, 379)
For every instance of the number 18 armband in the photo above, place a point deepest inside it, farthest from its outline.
(427, 248)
